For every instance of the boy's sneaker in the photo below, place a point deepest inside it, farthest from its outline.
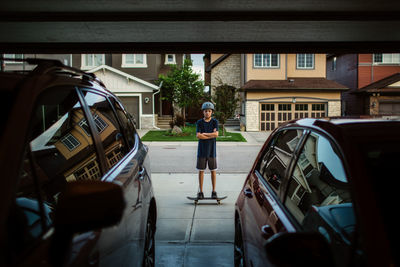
(214, 194)
(200, 195)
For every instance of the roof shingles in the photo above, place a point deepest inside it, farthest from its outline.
(293, 84)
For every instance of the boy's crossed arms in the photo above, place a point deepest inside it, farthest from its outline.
(207, 135)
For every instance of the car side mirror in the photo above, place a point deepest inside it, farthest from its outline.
(85, 206)
(299, 249)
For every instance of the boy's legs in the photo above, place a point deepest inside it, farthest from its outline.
(201, 179)
(213, 179)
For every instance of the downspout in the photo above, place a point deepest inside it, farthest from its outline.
(158, 91)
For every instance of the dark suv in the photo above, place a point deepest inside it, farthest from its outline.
(75, 177)
(322, 193)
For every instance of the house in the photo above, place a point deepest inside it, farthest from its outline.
(132, 77)
(363, 73)
(278, 87)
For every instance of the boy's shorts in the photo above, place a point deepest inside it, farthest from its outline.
(202, 164)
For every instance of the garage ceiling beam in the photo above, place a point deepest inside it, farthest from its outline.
(166, 26)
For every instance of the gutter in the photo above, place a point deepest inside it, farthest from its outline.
(158, 91)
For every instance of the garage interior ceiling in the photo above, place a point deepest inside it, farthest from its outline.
(199, 26)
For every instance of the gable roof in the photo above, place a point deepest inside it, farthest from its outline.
(124, 74)
(216, 62)
(380, 86)
(294, 84)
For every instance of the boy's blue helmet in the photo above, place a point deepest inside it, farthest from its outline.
(207, 105)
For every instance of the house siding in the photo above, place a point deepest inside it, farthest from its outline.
(346, 73)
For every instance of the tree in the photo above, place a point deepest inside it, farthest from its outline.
(226, 101)
(182, 86)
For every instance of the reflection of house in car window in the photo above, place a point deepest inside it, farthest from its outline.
(70, 142)
(90, 171)
(100, 124)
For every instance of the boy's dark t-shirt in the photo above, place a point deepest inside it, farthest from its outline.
(207, 147)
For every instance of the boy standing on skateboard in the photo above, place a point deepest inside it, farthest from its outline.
(207, 132)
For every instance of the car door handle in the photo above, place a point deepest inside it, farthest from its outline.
(142, 170)
(248, 193)
(267, 231)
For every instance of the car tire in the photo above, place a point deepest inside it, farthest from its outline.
(149, 243)
(238, 247)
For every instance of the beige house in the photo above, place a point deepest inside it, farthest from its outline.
(278, 87)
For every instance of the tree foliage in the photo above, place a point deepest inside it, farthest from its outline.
(182, 86)
(226, 101)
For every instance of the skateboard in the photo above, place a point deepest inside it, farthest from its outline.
(196, 200)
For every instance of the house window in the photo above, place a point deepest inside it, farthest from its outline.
(13, 56)
(170, 59)
(85, 127)
(70, 142)
(387, 58)
(100, 123)
(305, 61)
(134, 61)
(92, 60)
(266, 60)
(334, 63)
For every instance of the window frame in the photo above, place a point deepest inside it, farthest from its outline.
(124, 64)
(166, 62)
(84, 64)
(66, 137)
(383, 61)
(266, 67)
(305, 62)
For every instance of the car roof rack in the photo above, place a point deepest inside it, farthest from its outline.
(54, 66)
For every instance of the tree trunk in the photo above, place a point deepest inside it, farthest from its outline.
(184, 116)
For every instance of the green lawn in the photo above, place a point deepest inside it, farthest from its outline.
(189, 134)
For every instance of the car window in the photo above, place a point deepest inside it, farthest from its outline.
(108, 128)
(318, 179)
(277, 157)
(61, 151)
(128, 127)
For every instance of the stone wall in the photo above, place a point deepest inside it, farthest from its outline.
(252, 116)
(334, 108)
(146, 121)
(228, 71)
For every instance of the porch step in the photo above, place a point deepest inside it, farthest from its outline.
(163, 122)
(232, 122)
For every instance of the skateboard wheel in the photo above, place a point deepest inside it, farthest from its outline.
(195, 202)
(219, 202)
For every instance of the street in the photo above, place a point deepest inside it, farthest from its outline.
(181, 157)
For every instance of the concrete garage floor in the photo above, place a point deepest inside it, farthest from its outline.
(190, 235)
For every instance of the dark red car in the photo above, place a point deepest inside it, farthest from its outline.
(322, 193)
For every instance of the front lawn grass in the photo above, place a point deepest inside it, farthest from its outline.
(189, 134)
